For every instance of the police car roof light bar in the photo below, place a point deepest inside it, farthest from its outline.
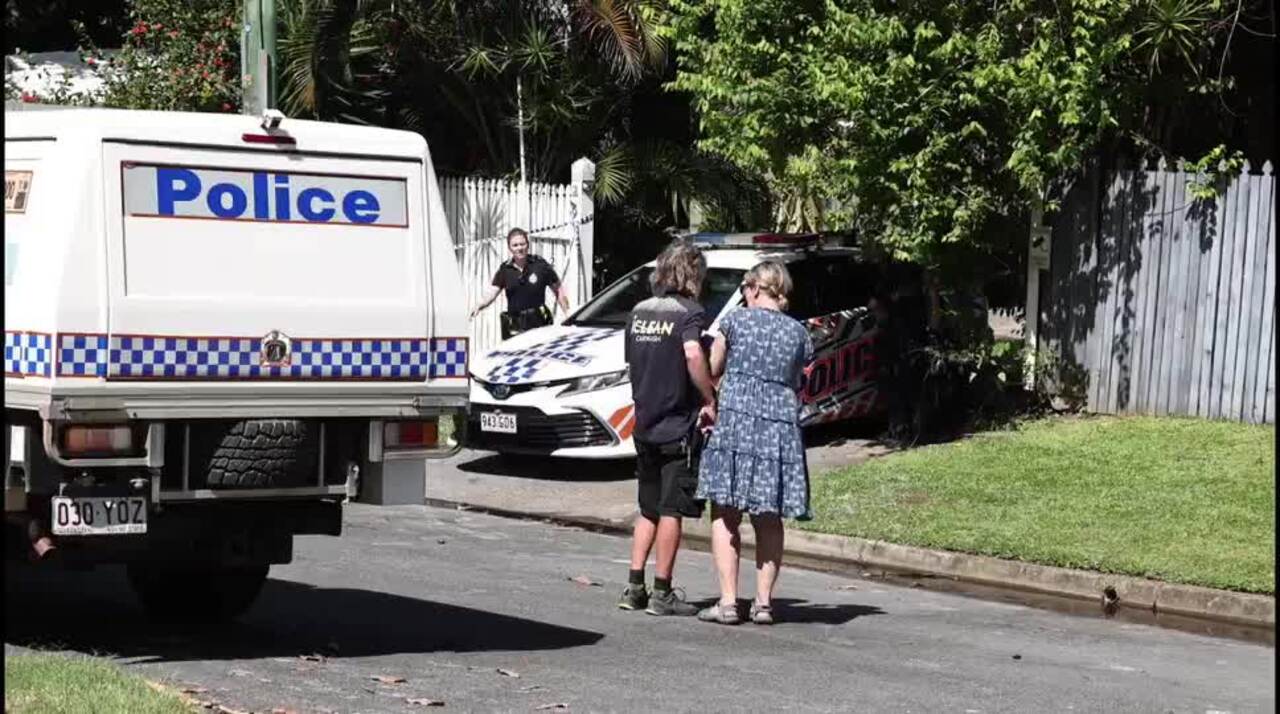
(748, 240)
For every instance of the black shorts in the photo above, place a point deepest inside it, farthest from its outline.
(668, 480)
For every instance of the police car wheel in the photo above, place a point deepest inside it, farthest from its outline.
(263, 453)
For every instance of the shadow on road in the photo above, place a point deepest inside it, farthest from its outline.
(791, 610)
(550, 468)
(837, 433)
(94, 612)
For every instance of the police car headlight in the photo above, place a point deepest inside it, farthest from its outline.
(597, 381)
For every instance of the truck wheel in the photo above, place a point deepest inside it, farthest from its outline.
(262, 453)
(196, 594)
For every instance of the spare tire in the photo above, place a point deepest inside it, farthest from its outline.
(263, 453)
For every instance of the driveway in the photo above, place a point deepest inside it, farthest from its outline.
(602, 490)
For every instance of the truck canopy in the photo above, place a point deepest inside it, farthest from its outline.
(173, 264)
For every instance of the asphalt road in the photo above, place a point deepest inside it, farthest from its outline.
(450, 600)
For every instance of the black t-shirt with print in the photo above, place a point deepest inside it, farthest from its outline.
(526, 289)
(667, 401)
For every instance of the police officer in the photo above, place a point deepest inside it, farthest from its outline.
(525, 278)
(671, 386)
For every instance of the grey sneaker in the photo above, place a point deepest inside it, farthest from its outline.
(634, 597)
(669, 603)
(723, 614)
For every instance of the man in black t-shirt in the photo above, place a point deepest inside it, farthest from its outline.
(674, 398)
(525, 279)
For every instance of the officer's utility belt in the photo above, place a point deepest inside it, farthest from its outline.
(514, 322)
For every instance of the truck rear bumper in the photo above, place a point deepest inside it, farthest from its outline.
(92, 401)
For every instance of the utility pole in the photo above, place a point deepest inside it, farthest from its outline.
(258, 57)
(526, 208)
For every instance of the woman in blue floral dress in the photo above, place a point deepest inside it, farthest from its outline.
(754, 461)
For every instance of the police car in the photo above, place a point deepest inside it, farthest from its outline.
(563, 390)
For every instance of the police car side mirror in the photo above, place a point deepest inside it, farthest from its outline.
(271, 119)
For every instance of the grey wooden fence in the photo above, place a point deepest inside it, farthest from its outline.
(1158, 303)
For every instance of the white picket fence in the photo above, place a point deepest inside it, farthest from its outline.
(558, 218)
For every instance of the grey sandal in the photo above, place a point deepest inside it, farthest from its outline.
(723, 614)
(761, 614)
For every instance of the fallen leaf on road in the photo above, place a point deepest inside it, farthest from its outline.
(557, 705)
(846, 587)
(193, 690)
(584, 580)
(442, 541)
(508, 673)
(1017, 656)
(425, 702)
(223, 709)
(533, 688)
(312, 658)
(387, 679)
(280, 710)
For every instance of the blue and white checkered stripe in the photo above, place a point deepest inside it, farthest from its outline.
(132, 357)
(82, 355)
(448, 357)
(28, 354)
(522, 365)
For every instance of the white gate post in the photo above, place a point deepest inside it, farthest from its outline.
(1038, 246)
(583, 179)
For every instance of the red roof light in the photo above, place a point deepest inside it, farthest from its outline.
(282, 139)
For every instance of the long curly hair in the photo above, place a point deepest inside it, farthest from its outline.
(681, 270)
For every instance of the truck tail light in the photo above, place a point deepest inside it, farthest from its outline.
(97, 440)
(411, 434)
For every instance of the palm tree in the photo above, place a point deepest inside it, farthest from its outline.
(324, 48)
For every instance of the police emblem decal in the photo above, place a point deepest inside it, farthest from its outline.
(275, 349)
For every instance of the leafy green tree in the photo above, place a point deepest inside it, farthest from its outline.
(926, 125)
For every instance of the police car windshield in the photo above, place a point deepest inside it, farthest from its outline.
(613, 305)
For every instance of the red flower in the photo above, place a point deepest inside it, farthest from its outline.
(226, 107)
(205, 74)
(30, 98)
(173, 34)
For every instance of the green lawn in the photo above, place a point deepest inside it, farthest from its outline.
(40, 683)
(1181, 500)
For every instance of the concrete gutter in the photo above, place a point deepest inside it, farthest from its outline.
(1226, 606)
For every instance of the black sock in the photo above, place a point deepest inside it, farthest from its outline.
(661, 585)
(635, 577)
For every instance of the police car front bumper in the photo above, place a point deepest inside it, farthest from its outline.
(537, 420)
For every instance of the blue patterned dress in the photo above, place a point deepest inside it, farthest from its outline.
(755, 459)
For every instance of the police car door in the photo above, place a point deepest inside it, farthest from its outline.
(248, 256)
(831, 297)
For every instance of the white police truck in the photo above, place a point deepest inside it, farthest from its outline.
(216, 331)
